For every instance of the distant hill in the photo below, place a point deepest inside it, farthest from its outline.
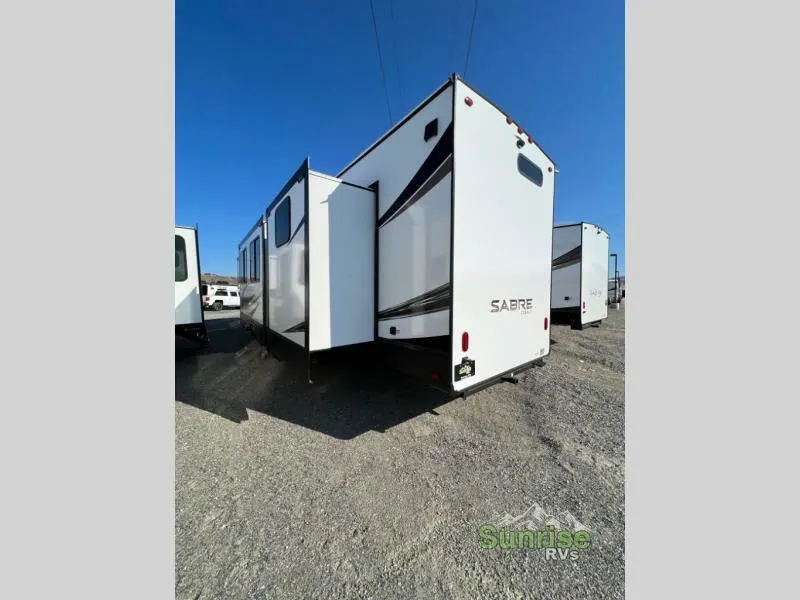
(214, 278)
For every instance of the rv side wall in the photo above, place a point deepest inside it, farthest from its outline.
(414, 175)
(188, 308)
(594, 278)
(341, 263)
(502, 244)
(251, 272)
(286, 272)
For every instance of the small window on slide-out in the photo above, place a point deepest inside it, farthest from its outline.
(529, 170)
(235, 294)
(181, 271)
(283, 222)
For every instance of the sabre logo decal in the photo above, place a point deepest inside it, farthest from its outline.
(524, 305)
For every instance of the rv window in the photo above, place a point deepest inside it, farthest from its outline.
(234, 294)
(254, 266)
(283, 222)
(530, 170)
(181, 272)
(221, 293)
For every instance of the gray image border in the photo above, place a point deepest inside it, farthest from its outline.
(88, 428)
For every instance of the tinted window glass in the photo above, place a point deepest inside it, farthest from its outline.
(255, 273)
(181, 272)
(283, 222)
(530, 170)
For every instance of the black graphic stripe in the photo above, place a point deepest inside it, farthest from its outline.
(299, 226)
(440, 173)
(435, 300)
(440, 153)
(300, 327)
(568, 258)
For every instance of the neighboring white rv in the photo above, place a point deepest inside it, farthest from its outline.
(189, 321)
(580, 274)
(435, 242)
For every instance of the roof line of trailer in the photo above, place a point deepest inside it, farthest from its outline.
(298, 176)
(508, 117)
(252, 229)
(398, 125)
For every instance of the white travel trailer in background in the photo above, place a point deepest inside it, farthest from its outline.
(189, 321)
(435, 242)
(580, 274)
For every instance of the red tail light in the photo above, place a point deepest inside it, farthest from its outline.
(546, 323)
(205, 299)
(464, 341)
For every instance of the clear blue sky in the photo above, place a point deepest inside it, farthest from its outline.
(260, 85)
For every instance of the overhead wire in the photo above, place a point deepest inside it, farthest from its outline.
(396, 56)
(471, 30)
(380, 59)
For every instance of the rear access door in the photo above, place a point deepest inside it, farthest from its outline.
(502, 244)
(594, 274)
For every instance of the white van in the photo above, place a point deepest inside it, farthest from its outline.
(219, 297)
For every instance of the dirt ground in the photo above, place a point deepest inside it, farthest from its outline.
(367, 485)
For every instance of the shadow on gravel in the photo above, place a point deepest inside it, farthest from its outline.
(193, 365)
(352, 393)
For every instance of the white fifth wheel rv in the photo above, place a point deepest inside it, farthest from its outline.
(435, 243)
(580, 274)
(189, 320)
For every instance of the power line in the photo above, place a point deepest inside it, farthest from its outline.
(380, 59)
(454, 36)
(396, 57)
(471, 29)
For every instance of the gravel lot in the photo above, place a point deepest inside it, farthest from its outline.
(366, 485)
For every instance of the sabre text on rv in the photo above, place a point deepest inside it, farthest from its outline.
(522, 304)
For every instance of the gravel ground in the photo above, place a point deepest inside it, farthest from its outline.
(365, 485)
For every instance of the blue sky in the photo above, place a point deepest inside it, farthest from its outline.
(260, 85)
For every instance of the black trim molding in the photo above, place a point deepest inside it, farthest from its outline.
(435, 300)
